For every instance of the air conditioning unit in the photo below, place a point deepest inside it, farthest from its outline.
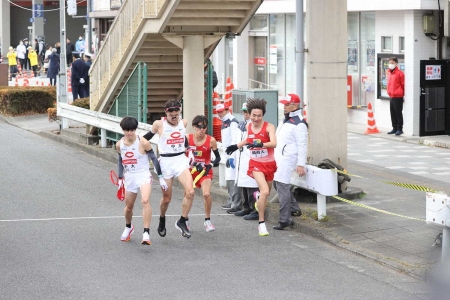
(271, 96)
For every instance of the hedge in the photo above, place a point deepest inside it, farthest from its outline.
(22, 100)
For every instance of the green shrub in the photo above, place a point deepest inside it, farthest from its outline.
(83, 103)
(22, 100)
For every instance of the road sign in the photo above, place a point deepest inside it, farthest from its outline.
(31, 20)
(38, 10)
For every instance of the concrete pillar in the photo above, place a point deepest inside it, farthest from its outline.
(38, 24)
(240, 59)
(193, 78)
(326, 75)
(5, 36)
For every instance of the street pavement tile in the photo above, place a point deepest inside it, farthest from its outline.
(344, 231)
(410, 247)
(385, 239)
(390, 251)
(415, 228)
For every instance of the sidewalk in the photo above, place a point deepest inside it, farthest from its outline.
(401, 243)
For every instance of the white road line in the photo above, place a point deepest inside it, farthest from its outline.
(105, 217)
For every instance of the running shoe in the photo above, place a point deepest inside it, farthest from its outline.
(126, 235)
(262, 229)
(209, 226)
(162, 227)
(183, 228)
(145, 239)
(256, 196)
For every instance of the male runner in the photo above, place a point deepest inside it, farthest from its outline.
(261, 142)
(134, 153)
(173, 162)
(202, 144)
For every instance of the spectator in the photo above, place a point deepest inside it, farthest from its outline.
(53, 66)
(70, 48)
(27, 65)
(46, 59)
(79, 45)
(88, 61)
(12, 62)
(58, 47)
(21, 52)
(32, 56)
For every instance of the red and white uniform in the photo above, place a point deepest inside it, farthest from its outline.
(135, 165)
(261, 159)
(202, 154)
(171, 149)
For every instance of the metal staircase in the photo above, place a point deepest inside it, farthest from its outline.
(144, 31)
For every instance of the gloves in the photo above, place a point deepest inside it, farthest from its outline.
(255, 145)
(163, 184)
(198, 167)
(207, 168)
(230, 163)
(119, 183)
(230, 149)
(81, 80)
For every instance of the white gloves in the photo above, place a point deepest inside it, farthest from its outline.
(119, 183)
(163, 184)
(81, 80)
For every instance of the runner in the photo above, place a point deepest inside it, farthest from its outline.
(261, 142)
(134, 160)
(202, 145)
(172, 146)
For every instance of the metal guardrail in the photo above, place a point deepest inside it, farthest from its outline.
(128, 21)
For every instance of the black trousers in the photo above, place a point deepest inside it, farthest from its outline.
(249, 200)
(396, 106)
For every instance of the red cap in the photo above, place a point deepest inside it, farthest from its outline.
(221, 107)
(290, 98)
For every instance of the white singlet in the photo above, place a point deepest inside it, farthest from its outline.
(135, 165)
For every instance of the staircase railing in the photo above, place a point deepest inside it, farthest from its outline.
(118, 42)
(132, 99)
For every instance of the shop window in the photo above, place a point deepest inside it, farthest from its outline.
(386, 43)
(383, 66)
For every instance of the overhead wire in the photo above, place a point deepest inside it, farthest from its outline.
(30, 9)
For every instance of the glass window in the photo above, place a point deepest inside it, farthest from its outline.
(277, 59)
(368, 68)
(386, 43)
(259, 22)
(229, 42)
(401, 44)
(353, 58)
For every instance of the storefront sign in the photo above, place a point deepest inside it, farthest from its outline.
(260, 61)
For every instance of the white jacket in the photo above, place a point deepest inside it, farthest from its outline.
(292, 142)
(242, 159)
(229, 137)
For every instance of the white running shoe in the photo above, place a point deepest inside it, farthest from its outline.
(256, 196)
(146, 239)
(262, 229)
(126, 235)
(209, 226)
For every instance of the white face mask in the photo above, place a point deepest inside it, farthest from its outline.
(391, 66)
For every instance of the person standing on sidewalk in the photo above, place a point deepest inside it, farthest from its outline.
(78, 77)
(172, 146)
(21, 52)
(228, 133)
(290, 155)
(396, 92)
(133, 159)
(12, 62)
(261, 142)
(248, 184)
(202, 144)
(33, 57)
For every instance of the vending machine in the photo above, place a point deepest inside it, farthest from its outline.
(434, 97)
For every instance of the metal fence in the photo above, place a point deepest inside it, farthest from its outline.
(132, 99)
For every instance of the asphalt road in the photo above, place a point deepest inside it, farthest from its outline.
(60, 225)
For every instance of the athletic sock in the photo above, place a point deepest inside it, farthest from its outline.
(262, 222)
(147, 230)
(128, 225)
(207, 219)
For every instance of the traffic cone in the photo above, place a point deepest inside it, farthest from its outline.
(371, 125)
(304, 113)
(42, 83)
(228, 99)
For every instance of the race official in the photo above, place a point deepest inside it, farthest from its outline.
(290, 156)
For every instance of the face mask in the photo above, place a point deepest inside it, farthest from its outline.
(80, 39)
(21, 43)
(391, 66)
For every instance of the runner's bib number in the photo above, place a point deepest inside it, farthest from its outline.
(259, 153)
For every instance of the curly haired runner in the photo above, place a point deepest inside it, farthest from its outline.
(261, 142)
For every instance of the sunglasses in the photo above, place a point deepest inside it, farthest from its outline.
(172, 109)
(201, 126)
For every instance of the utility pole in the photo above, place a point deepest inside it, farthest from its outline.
(299, 50)
(62, 84)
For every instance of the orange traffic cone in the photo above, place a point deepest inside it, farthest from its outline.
(304, 113)
(371, 125)
(42, 83)
(228, 99)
